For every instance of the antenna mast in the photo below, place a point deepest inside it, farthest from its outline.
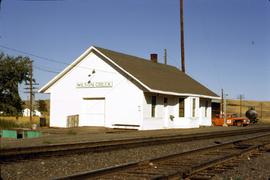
(165, 56)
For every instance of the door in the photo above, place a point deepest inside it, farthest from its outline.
(93, 112)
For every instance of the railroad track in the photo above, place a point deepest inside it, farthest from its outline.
(26, 153)
(203, 163)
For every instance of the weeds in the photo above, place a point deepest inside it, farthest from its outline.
(9, 124)
(6, 124)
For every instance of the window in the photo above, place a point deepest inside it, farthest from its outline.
(153, 108)
(165, 100)
(193, 107)
(206, 107)
(181, 107)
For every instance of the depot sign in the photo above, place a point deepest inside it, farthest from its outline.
(106, 84)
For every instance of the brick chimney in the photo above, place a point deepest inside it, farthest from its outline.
(154, 58)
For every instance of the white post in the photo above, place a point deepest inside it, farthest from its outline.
(140, 109)
(225, 111)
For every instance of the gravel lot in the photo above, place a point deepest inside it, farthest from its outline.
(60, 166)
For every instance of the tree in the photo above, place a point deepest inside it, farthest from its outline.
(42, 106)
(13, 71)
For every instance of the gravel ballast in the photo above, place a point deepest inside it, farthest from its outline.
(60, 166)
(249, 169)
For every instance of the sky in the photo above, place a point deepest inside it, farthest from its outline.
(227, 42)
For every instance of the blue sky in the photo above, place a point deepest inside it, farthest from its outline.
(227, 42)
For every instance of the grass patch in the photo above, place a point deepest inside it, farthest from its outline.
(9, 124)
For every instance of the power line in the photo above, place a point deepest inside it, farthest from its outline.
(42, 0)
(30, 54)
(49, 59)
(46, 70)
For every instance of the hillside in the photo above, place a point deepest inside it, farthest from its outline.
(262, 108)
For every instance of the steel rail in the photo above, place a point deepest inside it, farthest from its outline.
(15, 154)
(124, 168)
(218, 161)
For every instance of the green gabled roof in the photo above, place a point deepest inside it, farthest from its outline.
(157, 76)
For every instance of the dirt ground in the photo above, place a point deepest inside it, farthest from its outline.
(94, 134)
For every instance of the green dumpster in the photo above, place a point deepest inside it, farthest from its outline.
(9, 133)
(32, 134)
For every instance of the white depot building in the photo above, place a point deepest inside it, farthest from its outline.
(112, 89)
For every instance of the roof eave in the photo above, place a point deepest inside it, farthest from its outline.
(184, 94)
(44, 88)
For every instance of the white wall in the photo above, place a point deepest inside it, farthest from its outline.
(188, 121)
(149, 122)
(162, 117)
(161, 121)
(67, 99)
(205, 120)
(124, 102)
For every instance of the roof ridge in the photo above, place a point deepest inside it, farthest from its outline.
(137, 57)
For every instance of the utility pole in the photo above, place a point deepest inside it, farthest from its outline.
(225, 111)
(241, 96)
(222, 103)
(31, 90)
(261, 110)
(182, 36)
(165, 56)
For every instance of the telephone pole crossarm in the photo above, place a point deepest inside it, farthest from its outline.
(31, 90)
